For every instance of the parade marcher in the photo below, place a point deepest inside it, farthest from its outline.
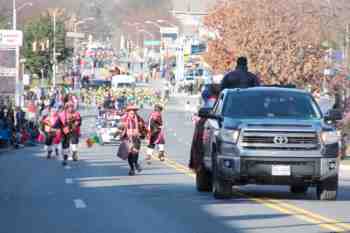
(132, 133)
(240, 77)
(70, 122)
(50, 125)
(156, 135)
(122, 101)
(210, 96)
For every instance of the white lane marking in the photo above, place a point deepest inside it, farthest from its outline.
(79, 204)
(68, 167)
(69, 181)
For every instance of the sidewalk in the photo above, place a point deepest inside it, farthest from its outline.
(5, 150)
(10, 148)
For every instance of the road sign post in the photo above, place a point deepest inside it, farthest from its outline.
(13, 39)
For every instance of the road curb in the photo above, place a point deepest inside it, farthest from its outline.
(345, 167)
(4, 151)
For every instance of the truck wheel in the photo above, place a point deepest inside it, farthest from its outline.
(203, 180)
(222, 189)
(327, 189)
(299, 189)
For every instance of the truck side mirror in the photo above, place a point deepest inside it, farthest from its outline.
(204, 112)
(333, 115)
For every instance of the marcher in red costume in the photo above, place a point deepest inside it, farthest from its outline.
(196, 159)
(50, 125)
(156, 135)
(132, 132)
(70, 121)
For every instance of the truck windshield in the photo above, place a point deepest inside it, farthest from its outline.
(270, 104)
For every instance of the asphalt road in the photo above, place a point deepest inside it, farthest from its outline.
(95, 195)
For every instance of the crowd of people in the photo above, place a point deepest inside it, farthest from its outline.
(141, 97)
(15, 129)
(43, 120)
(60, 127)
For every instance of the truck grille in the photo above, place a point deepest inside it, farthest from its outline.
(276, 140)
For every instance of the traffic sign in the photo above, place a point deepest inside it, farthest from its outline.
(26, 80)
(11, 38)
(7, 72)
(169, 30)
(151, 43)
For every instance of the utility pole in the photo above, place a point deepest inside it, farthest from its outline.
(347, 48)
(54, 50)
(17, 81)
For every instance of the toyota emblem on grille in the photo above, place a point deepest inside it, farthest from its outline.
(280, 140)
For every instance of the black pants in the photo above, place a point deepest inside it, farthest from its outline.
(49, 139)
(133, 160)
(71, 138)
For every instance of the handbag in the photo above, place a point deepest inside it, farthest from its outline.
(123, 150)
(135, 145)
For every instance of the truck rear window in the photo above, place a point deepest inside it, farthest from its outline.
(265, 104)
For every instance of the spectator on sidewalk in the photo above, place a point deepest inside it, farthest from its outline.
(20, 118)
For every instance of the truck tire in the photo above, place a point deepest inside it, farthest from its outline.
(327, 189)
(299, 189)
(203, 180)
(222, 189)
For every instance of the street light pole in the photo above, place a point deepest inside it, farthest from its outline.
(14, 15)
(18, 83)
(75, 52)
(161, 47)
(150, 34)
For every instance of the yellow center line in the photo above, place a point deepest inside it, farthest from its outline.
(283, 207)
(302, 217)
(311, 214)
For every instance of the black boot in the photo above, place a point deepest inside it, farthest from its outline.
(131, 172)
(57, 152)
(75, 156)
(49, 154)
(65, 158)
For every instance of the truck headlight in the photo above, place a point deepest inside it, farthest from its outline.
(330, 137)
(228, 135)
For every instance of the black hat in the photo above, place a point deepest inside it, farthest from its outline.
(242, 61)
(158, 107)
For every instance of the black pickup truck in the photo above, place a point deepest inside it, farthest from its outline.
(266, 136)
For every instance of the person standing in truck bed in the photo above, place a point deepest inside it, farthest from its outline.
(240, 77)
